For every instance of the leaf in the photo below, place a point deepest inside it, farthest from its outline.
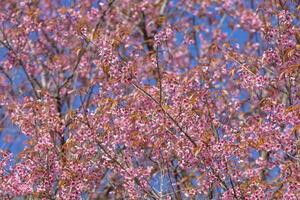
(289, 53)
(197, 150)
(298, 35)
(292, 108)
(61, 183)
(193, 98)
(79, 52)
(134, 117)
(134, 134)
(136, 139)
(70, 115)
(227, 45)
(296, 128)
(73, 126)
(161, 20)
(260, 142)
(112, 103)
(116, 43)
(290, 69)
(213, 48)
(166, 107)
(69, 143)
(106, 70)
(265, 102)
(63, 10)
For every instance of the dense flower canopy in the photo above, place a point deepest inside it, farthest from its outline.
(150, 99)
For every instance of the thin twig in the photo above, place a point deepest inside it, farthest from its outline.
(166, 113)
(159, 77)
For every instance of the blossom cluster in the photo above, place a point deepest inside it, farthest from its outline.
(149, 99)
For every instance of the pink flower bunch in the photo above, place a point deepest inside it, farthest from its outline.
(285, 18)
(250, 20)
(165, 34)
(249, 80)
(272, 57)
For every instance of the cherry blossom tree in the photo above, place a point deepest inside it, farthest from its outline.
(150, 99)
